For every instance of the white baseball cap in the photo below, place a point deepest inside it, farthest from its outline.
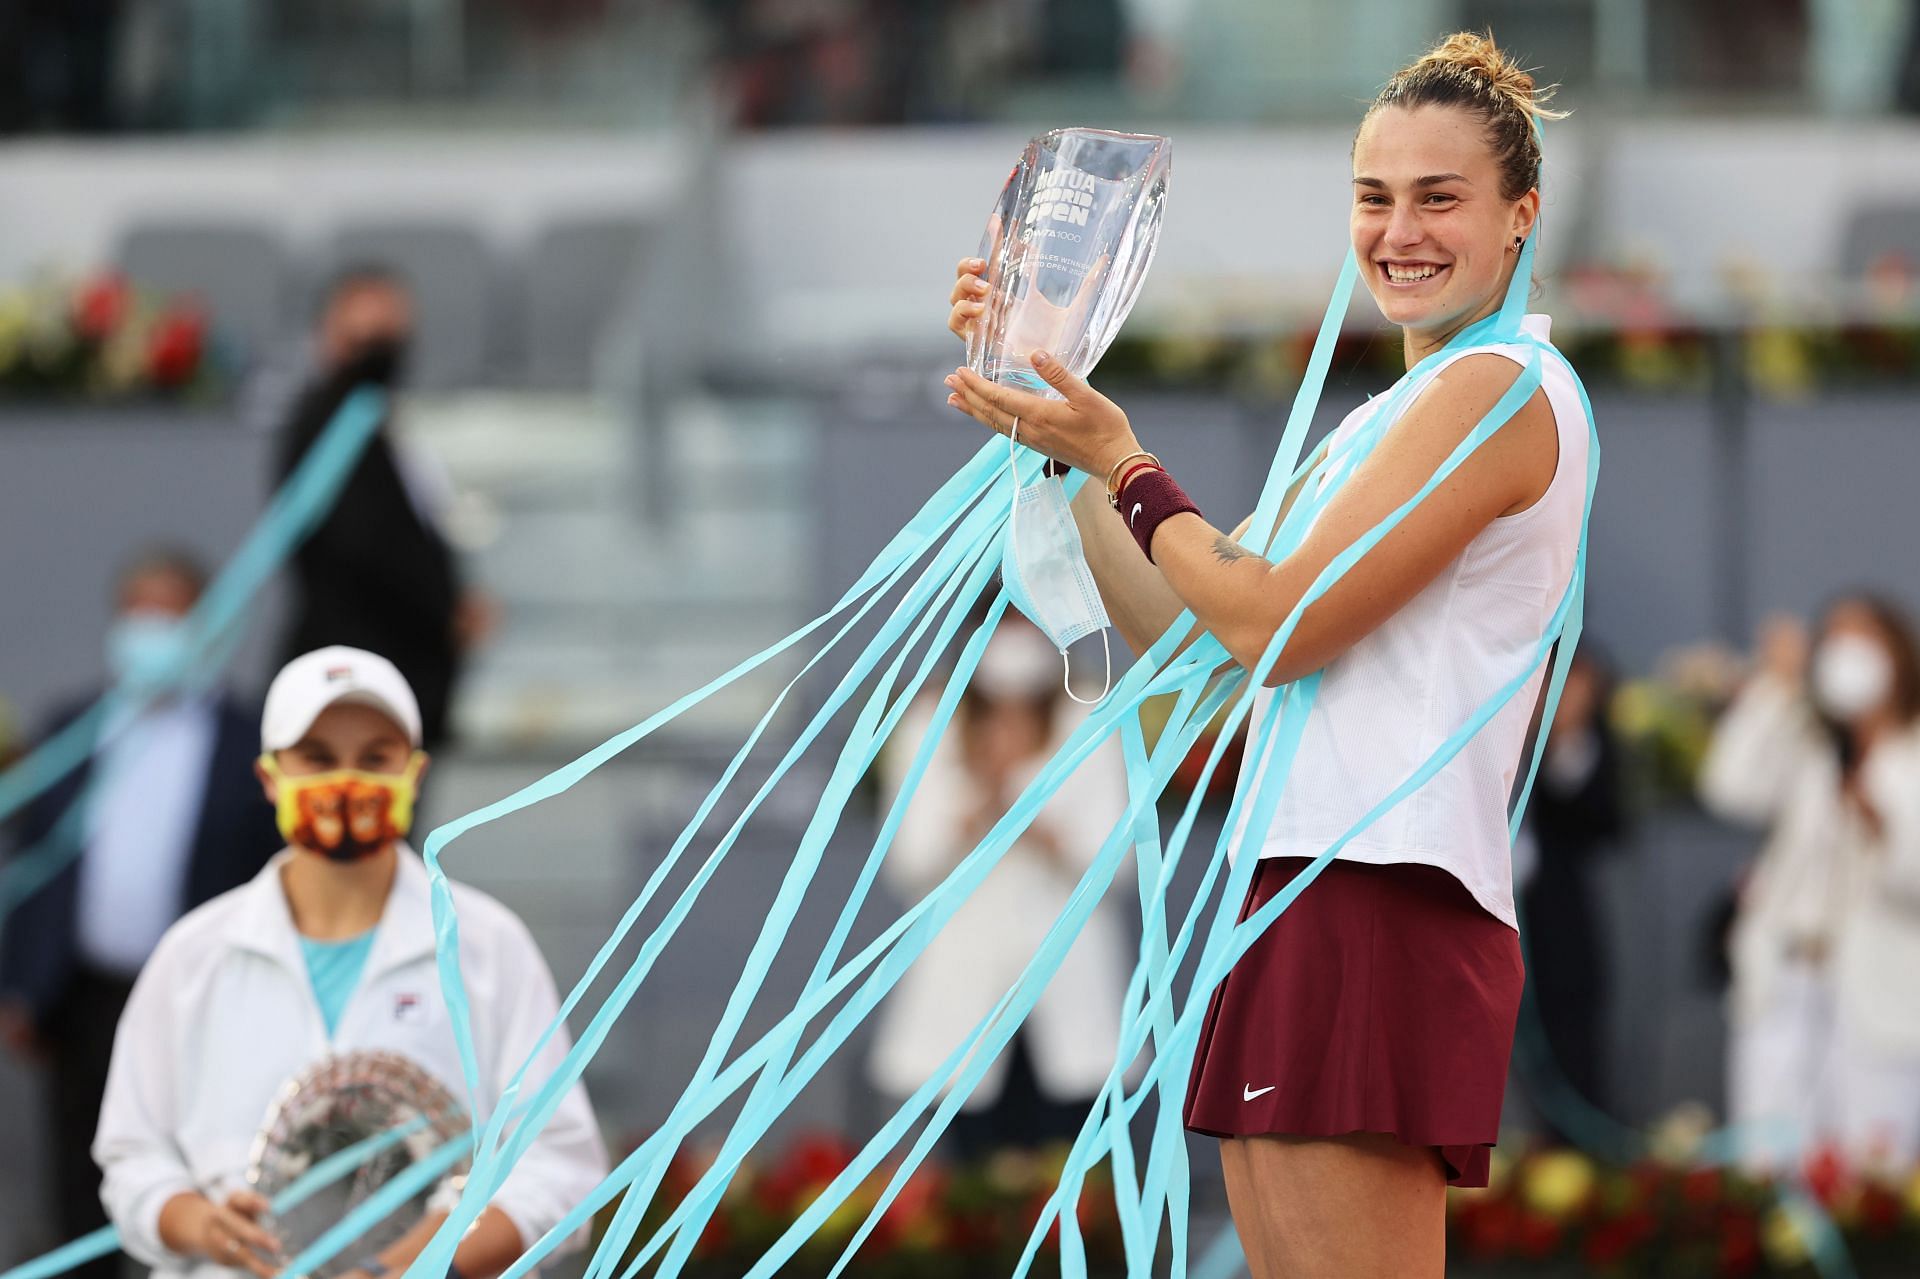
(1018, 663)
(314, 681)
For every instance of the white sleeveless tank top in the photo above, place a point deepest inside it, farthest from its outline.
(1386, 704)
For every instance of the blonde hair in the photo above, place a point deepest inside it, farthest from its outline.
(1468, 70)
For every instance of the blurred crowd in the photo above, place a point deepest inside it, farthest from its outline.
(161, 847)
(90, 66)
(1813, 740)
(898, 61)
(1814, 743)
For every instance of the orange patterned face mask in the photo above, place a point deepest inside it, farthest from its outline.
(345, 814)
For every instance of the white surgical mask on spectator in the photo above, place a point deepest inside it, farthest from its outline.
(1851, 675)
(148, 651)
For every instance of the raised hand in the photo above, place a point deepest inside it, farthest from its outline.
(969, 297)
(1084, 429)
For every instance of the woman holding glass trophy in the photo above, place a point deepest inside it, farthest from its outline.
(1353, 1061)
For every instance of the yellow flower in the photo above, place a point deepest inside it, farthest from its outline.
(1785, 1237)
(1678, 1138)
(1636, 709)
(1558, 1183)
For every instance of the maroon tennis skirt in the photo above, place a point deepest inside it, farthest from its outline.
(1383, 1000)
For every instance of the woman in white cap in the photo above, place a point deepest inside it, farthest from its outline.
(330, 950)
(1012, 718)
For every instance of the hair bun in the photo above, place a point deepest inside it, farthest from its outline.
(1476, 54)
(1468, 71)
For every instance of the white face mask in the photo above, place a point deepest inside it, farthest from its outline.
(1852, 675)
(1045, 569)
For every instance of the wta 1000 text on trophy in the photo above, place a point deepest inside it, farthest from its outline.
(1067, 247)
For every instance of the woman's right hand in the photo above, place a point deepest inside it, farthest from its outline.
(226, 1234)
(969, 296)
(1783, 649)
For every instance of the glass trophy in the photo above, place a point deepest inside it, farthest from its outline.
(1067, 247)
(338, 1103)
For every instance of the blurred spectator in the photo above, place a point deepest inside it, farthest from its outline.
(174, 819)
(1823, 748)
(1906, 88)
(1080, 37)
(57, 64)
(812, 62)
(802, 62)
(1009, 723)
(1573, 818)
(378, 573)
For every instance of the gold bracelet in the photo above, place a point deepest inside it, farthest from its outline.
(1113, 495)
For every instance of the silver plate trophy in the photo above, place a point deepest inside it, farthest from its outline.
(338, 1103)
(1067, 248)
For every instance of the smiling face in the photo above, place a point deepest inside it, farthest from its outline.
(1431, 229)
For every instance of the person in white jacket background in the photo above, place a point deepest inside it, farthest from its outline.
(1823, 748)
(1012, 719)
(330, 950)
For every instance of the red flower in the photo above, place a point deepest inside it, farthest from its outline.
(1646, 1178)
(1186, 774)
(1739, 1248)
(1826, 1176)
(914, 1218)
(100, 306)
(974, 1232)
(683, 1172)
(1536, 1236)
(1488, 1228)
(1880, 1209)
(1613, 1240)
(175, 347)
(714, 1239)
(810, 1165)
(1702, 1187)
(1030, 1213)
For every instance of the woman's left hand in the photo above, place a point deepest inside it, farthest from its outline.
(1086, 430)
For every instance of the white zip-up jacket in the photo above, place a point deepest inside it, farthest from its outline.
(224, 1015)
(972, 961)
(1822, 874)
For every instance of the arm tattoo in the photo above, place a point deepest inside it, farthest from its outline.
(1226, 550)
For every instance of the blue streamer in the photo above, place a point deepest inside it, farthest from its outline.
(211, 627)
(1144, 1204)
(105, 1241)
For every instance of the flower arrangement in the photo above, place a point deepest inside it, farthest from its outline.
(102, 339)
(1555, 1211)
(947, 1221)
(1664, 721)
(1550, 1211)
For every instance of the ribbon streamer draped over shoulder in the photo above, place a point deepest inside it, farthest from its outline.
(918, 595)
